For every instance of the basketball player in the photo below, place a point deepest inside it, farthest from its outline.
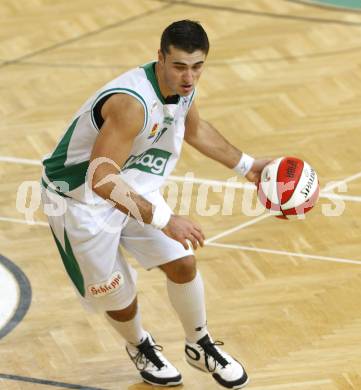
(108, 168)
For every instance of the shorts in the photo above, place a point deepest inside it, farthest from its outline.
(89, 239)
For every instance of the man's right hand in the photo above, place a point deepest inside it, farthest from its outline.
(183, 230)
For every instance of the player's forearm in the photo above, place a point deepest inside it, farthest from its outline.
(212, 144)
(110, 186)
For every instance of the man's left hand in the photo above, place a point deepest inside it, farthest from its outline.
(254, 175)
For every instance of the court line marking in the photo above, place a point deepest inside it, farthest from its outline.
(344, 181)
(210, 241)
(24, 296)
(210, 63)
(17, 160)
(285, 253)
(228, 184)
(210, 182)
(14, 377)
(351, 198)
(236, 228)
(23, 221)
(46, 382)
(242, 225)
(231, 184)
(323, 6)
(88, 34)
(244, 11)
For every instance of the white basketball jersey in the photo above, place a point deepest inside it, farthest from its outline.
(155, 150)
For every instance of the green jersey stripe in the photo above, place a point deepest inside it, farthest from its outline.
(53, 190)
(70, 263)
(58, 158)
(67, 177)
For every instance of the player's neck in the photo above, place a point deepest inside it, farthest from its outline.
(164, 90)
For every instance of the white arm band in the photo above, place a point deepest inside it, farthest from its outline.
(161, 216)
(244, 165)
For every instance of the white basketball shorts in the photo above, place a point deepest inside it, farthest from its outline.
(89, 239)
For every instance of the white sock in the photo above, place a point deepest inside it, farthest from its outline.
(132, 331)
(188, 301)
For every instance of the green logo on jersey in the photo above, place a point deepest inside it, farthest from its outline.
(168, 120)
(152, 161)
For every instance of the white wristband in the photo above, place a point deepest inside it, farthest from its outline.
(161, 216)
(244, 165)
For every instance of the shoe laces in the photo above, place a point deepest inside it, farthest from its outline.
(211, 351)
(147, 353)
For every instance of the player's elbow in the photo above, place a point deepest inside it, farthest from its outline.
(102, 180)
(195, 132)
(191, 137)
(95, 185)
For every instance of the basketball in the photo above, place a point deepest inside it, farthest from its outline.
(288, 187)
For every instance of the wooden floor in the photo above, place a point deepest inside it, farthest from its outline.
(282, 79)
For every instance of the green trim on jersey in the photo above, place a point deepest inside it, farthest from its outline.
(126, 91)
(149, 71)
(151, 76)
(191, 99)
(73, 175)
(70, 263)
(53, 190)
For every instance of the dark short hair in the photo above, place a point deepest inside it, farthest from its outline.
(187, 35)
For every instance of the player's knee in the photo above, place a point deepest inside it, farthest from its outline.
(182, 270)
(126, 314)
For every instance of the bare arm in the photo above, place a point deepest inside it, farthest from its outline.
(207, 140)
(123, 119)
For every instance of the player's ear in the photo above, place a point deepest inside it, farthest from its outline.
(161, 58)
